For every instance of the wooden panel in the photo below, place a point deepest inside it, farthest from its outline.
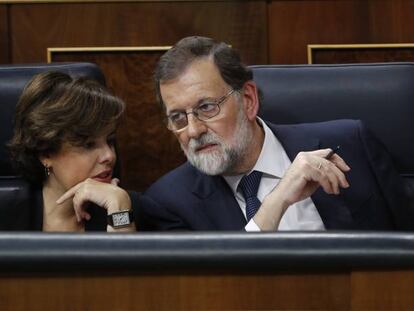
(38, 26)
(295, 24)
(146, 148)
(331, 54)
(4, 34)
(176, 292)
(391, 21)
(383, 290)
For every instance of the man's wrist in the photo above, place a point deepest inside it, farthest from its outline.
(269, 214)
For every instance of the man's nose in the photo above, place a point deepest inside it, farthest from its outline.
(195, 127)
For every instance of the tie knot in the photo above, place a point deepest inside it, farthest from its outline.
(249, 184)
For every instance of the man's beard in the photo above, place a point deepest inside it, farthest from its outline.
(226, 156)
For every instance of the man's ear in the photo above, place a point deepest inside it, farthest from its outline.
(250, 100)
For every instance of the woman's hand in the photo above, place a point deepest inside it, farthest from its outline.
(108, 196)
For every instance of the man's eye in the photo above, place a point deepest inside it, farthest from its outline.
(207, 107)
(177, 117)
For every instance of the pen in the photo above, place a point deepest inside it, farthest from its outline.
(332, 152)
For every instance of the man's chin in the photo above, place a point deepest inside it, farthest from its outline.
(209, 171)
(208, 167)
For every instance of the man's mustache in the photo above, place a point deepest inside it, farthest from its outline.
(205, 139)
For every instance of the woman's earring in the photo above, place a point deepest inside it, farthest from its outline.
(47, 171)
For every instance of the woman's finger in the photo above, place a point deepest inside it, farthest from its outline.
(69, 194)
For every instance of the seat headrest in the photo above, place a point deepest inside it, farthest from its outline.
(382, 95)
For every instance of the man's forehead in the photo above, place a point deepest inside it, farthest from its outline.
(200, 80)
(198, 71)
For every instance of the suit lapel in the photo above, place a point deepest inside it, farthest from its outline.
(223, 212)
(218, 203)
(294, 140)
(334, 212)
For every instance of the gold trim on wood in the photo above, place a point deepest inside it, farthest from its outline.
(52, 50)
(312, 47)
(95, 1)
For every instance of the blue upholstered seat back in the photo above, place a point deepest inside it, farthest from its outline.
(381, 94)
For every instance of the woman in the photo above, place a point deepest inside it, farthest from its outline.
(63, 143)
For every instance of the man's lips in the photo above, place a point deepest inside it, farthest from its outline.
(206, 147)
(105, 176)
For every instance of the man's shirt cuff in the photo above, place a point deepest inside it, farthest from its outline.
(251, 226)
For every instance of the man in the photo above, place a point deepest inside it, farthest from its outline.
(243, 172)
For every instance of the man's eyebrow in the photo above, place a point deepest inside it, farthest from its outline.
(205, 99)
(198, 103)
(174, 111)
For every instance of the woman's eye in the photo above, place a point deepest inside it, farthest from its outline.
(89, 144)
(111, 141)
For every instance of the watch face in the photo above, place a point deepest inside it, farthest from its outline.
(120, 219)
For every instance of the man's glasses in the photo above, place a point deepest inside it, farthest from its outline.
(177, 121)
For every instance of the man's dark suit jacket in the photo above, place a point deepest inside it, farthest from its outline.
(190, 200)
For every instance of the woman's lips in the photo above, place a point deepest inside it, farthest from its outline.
(105, 176)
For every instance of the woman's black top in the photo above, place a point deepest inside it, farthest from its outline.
(24, 212)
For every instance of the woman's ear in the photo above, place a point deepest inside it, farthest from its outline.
(47, 164)
(251, 100)
(45, 160)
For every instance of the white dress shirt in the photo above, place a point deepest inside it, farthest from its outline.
(273, 163)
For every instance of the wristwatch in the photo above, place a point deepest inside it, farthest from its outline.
(120, 219)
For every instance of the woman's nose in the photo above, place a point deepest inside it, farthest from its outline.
(107, 154)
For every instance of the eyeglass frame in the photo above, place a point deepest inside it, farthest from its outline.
(193, 111)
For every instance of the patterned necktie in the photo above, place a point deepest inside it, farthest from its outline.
(248, 186)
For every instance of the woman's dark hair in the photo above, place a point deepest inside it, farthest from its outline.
(56, 108)
(176, 60)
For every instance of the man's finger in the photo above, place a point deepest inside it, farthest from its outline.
(340, 163)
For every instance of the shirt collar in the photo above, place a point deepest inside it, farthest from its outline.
(270, 161)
